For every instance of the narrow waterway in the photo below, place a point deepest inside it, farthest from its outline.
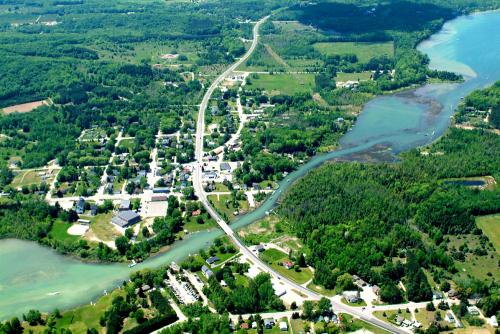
(32, 276)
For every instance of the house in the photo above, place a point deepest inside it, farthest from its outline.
(159, 198)
(288, 264)
(351, 296)
(124, 205)
(126, 218)
(473, 310)
(376, 289)
(283, 326)
(206, 272)
(256, 186)
(452, 294)
(399, 320)
(269, 323)
(493, 321)
(196, 213)
(161, 190)
(260, 248)
(449, 317)
(254, 324)
(145, 288)
(80, 206)
(223, 283)
(93, 209)
(225, 167)
(244, 326)
(212, 260)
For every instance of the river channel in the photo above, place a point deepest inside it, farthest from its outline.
(36, 277)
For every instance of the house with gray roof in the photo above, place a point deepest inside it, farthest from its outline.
(126, 218)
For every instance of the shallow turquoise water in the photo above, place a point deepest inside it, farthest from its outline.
(32, 275)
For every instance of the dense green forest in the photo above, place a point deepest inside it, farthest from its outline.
(363, 218)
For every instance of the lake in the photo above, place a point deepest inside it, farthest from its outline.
(36, 277)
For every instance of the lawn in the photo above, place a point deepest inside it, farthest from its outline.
(220, 202)
(288, 84)
(275, 258)
(363, 50)
(102, 227)
(490, 225)
(320, 289)
(356, 76)
(361, 324)
(391, 315)
(359, 303)
(298, 325)
(193, 226)
(81, 318)
(426, 317)
(59, 232)
(26, 178)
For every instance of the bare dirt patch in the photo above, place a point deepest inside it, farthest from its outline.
(25, 107)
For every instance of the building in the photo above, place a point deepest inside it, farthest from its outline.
(126, 218)
(473, 310)
(80, 206)
(269, 323)
(283, 326)
(206, 272)
(260, 248)
(225, 167)
(376, 289)
(399, 320)
(212, 260)
(493, 321)
(161, 190)
(124, 205)
(351, 296)
(288, 264)
(449, 317)
(93, 209)
(159, 198)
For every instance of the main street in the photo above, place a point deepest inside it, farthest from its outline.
(197, 184)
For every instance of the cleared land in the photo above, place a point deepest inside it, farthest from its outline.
(490, 225)
(356, 76)
(275, 259)
(363, 50)
(26, 178)
(288, 84)
(25, 107)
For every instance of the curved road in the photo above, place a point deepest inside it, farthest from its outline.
(197, 184)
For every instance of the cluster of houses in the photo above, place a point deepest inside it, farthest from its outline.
(400, 321)
(269, 323)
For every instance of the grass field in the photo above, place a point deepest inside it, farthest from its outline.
(320, 289)
(101, 226)
(361, 324)
(363, 50)
(26, 178)
(359, 303)
(59, 232)
(193, 226)
(288, 84)
(490, 225)
(356, 76)
(275, 258)
(391, 315)
(227, 210)
(425, 317)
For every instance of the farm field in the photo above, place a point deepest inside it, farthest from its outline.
(356, 76)
(24, 107)
(363, 50)
(288, 84)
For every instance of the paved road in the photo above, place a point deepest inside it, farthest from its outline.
(197, 183)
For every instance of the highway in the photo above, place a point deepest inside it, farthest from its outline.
(197, 184)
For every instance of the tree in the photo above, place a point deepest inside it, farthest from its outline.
(344, 282)
(308, 310)
(430, 307)
(301, 261)
(122, 244)
(391, 293)
(129, 233)
(324, 306)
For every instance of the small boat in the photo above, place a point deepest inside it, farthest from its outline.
(54, 293)
(132, 264)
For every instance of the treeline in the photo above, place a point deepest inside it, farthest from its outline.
(355, 218)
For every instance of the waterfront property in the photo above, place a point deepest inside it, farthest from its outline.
(126, 218)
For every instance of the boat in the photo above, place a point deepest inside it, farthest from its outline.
(132, 264)
(54, 293)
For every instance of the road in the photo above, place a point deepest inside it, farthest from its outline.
(197, 184)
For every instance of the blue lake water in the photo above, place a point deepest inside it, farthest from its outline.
(35, 277)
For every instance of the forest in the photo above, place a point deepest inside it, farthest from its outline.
(362, 218)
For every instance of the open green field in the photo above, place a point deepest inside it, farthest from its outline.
(193, 226)
(356, 76)
(288, 84)
(222, 205)
(275, 259)
(391, 315)
(26, 178)
(490, 225)
(102, 227)
(359, 303)
(361, 324)
(60, 232)
(320, 289)
(363, 50)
